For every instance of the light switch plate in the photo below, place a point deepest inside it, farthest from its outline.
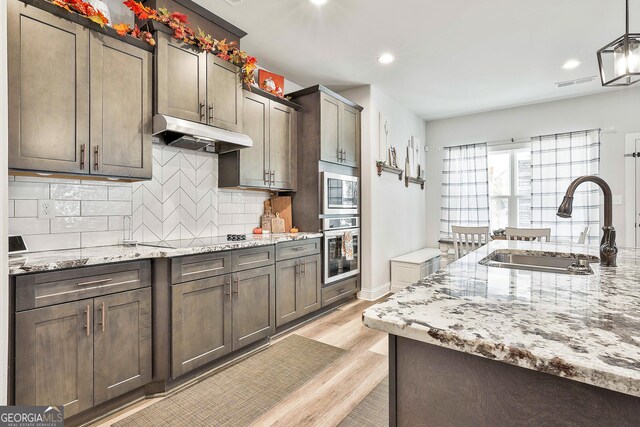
(46, 209)
(617, 200)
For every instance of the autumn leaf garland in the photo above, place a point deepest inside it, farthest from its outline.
(205, 42)
(178, 23)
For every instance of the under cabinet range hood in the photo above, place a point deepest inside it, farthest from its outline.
(197, 136)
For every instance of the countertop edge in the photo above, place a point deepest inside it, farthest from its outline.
(515, 356)
(145, 253)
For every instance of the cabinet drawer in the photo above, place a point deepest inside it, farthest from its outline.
(340, 290)
(196, 267)
(43, 289)
(245, 259)
(296, 249)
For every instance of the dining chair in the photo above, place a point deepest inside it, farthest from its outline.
(584, 235)
(468, 239)
(528, 234)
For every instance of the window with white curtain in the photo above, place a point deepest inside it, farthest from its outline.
(465, 188)
(556, 160)
(510, 185)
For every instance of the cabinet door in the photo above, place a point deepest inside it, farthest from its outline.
(224, 94)
(310, 284)
(254, 161)
(122, 343)
(54, 357)
(349, 134)
(48, 59)
(181, 80)
(200, 322)
(253, 305)
(120, 108)
(288, 304)
(282, 146)
(329, 128)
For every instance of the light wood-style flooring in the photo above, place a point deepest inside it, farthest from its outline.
(329, 397)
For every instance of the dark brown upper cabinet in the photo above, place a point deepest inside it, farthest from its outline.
(271, 162)
(197, 86)
(79, 101)
(332, 123)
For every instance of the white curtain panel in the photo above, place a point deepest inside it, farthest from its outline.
(465, 188)
(556, 160)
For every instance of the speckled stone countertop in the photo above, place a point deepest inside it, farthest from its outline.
(585, 328)
(58, 260)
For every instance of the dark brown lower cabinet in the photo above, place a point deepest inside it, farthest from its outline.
(54, 357)
(298, 288)
(122, 343)
(253, 305)
(83, 353)
(201, 323)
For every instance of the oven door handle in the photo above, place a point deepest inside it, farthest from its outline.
(339, 233)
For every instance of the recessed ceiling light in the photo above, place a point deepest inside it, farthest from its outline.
(386, 58)
(571, 64)
(318, 2)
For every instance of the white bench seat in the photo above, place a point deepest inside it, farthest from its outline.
(412, 267)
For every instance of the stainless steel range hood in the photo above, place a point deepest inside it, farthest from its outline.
(196, 136)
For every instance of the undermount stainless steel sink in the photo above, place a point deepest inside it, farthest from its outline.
(575, 264)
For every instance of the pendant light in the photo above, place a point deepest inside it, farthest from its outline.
(619, 61)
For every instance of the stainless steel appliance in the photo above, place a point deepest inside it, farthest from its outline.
(336, 265)
(340, 194)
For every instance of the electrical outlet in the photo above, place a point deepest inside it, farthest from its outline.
(46, 209)
(617, 200)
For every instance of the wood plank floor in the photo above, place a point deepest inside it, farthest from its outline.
(329, 397)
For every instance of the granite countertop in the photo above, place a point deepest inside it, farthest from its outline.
(58, 260)
(585, 328)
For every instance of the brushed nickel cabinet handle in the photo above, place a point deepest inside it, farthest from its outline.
(102, 316)
(298, 268)
(211, 112)
(228, 293)
(87, 324)
(96, 152)
(237, 291)
(339, 155)
(94, 282)
(266, 177)
(201, 110)
(273, 177)
(83, 148)
(304, 270)
(342, 291)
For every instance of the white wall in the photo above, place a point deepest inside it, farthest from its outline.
(393, 216)
(4, 151)
(618, 109)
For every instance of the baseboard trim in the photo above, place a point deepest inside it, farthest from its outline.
(374, 294)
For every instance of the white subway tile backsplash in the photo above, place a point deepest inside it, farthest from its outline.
(26, 208)
(67, 207)
(231, 208)
(52, 242)
(25, 226)
(101, 238)
(101, 208)
(181, 201)
(79, 224)
(28, 190)
(78, 192)
(120, 193)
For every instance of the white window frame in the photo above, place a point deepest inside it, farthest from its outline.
(513, 149)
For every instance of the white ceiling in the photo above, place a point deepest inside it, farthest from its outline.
(454, 57)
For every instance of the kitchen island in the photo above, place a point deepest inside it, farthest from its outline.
(479, 345)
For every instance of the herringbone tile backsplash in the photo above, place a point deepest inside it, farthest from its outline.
(181, 201)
